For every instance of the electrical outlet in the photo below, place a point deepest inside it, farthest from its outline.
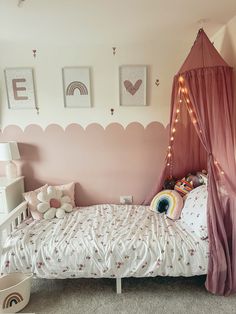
(126, 199)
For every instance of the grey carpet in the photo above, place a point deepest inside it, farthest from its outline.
(139, 296)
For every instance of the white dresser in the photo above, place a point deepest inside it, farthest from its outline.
(10, 193)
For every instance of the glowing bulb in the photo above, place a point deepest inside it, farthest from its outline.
(180, 100)
(216, 162)
(177, 110)
(188, 101)
(190, 111)
(176, 120)
(169, 147)
(173, 130)
(182, 90)
(169, 155)
(172, 138)
(168, 164)
(181, 79)
(194, 121)
(222, 172)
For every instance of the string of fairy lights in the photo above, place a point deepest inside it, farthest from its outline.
(183, 99)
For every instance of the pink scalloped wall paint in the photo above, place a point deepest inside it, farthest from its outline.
(104, 163)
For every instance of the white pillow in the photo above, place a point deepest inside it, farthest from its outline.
(194, 212)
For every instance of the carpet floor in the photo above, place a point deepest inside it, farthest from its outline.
(139, 296)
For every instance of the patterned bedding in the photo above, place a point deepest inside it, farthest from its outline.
(106, 241)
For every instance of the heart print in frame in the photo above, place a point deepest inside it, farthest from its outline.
(133, 85)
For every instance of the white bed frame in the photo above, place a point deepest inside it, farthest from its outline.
(16, 217)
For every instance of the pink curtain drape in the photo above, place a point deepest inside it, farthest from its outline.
(210, 91)
(202, 136)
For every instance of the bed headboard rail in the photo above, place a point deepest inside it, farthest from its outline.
(12, 220)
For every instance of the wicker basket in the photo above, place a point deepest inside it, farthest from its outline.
(14, 292)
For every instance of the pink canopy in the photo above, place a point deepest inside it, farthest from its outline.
(202, 137)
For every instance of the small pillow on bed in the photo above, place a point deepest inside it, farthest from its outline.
(68, 190)
(33, 201)
(31, 198)
(194, 213)
(169, 202)
(53, 203)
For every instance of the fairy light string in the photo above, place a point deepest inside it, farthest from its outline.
(182, 99)
(170, 157)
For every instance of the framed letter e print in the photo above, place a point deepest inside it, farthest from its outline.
(76, 85)
(20, 88)
(132, 80)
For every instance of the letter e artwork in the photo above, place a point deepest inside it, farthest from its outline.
(20, 88)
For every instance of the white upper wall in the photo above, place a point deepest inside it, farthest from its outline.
(155, 33)
(225, 42)
(48, 66)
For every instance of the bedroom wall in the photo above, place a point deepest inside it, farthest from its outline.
(225, 42)
(106, 155)
(104, 163)
(109, 155)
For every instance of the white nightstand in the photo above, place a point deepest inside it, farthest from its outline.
(10, 194)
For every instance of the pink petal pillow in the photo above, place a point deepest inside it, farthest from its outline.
(31, 198)
(68, 190)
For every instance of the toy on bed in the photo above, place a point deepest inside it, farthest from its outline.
(202, 176)
(169, 183)
(183, 187)
(169, 202)
(190, 182)
(197, 179)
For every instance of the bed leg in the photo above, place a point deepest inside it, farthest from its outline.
(118, 285)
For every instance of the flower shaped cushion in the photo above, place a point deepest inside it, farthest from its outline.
(53, 203)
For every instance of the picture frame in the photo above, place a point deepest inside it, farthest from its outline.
(76, 87)
(133, 85)
(20, 88)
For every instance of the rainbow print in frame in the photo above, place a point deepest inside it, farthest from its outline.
(76, 86)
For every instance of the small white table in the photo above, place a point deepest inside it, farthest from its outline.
(11, 190)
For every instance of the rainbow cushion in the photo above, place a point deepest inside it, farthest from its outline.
(168, 201)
